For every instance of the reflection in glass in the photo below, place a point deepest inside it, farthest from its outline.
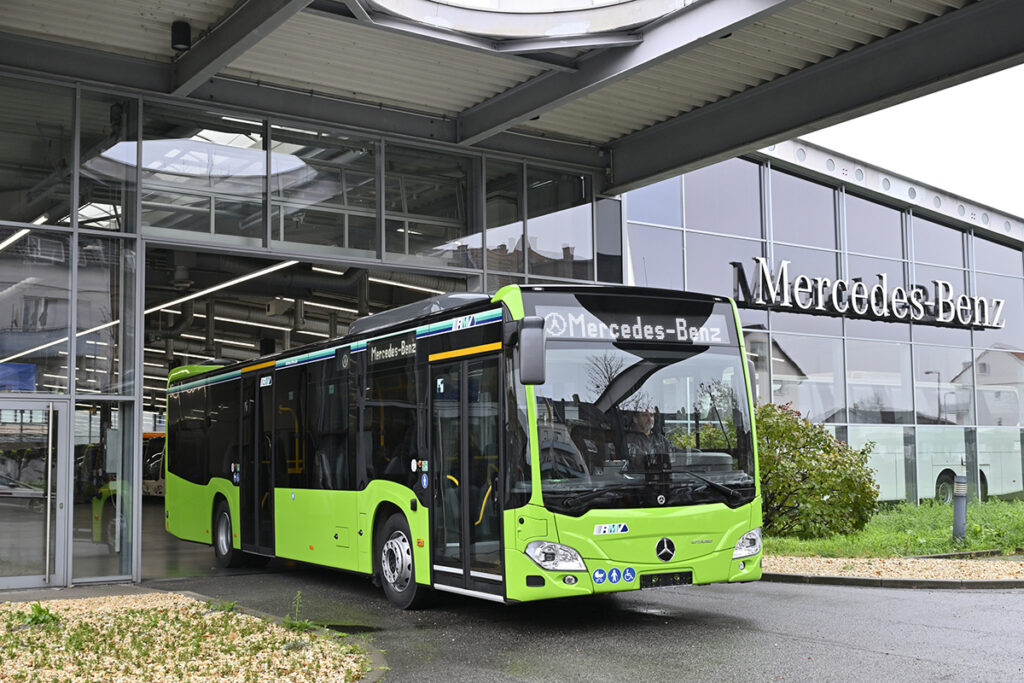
(35, 180)
(873, 229)
(941, 455)
(944, 385)
(708, 259)
(106, 315)
(724, 198)
(938, 244)
(886, 458)
(659, 203)
(997, 258)
(106, 191)
(807, 372)
(330, 198)
(1011, 291)
(102, 492)
(203, 174)
(999, 459)
(504, 205)
(35, 290)
(427, 199)
(559, 224)
(608, 213)
(926, 276)
(1000, 387)
(27, 462)
(803, 212)
(758, 357)
(654, 256)
(878, 375)
(810, 262)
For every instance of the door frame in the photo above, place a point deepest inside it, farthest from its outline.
(466, 581)
(59, 511)
(249, 519)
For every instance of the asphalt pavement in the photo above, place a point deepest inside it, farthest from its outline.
(760, 631)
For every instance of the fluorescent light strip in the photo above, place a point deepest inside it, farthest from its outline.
(14, 238)
(223, 285)
(380, 281)
(190, 297)
(319, 305)
(246, 345)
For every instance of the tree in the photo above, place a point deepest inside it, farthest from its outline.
(812, 485)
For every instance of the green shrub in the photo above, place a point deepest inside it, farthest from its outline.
(812, 485)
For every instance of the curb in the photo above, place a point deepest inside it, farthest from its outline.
(943, 584)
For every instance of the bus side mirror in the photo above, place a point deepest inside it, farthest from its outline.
(531, 350)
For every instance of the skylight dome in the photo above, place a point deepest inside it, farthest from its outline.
(531, 18)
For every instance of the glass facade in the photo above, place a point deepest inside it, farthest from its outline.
(938, 397)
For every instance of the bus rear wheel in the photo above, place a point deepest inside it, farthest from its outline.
(944, 488)
(397, 566)
(223, 546)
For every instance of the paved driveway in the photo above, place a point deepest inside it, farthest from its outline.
(763, 631)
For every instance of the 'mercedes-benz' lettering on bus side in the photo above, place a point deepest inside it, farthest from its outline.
(857, 298)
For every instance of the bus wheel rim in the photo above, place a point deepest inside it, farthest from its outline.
(223, 535)
(396, 561)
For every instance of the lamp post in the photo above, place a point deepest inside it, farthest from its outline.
(938, 395)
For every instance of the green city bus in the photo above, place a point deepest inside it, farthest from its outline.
(543, 442)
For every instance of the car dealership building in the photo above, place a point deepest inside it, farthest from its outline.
(157, 210)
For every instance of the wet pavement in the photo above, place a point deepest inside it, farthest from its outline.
(758, 631)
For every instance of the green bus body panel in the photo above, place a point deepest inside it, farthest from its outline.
(306, 521)
(688, 527)
(188, 508)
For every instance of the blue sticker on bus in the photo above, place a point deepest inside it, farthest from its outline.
(628, 574)
(614, 575)
(423, 481)
(599, 576)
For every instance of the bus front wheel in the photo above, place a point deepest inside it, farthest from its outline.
(223, 547)
(397, 566)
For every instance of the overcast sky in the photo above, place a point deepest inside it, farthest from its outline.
(967, 140)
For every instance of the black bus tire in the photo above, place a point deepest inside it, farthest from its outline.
(223, 546)
(397, 566)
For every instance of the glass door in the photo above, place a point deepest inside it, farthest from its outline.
(31, 502)
(466, 441)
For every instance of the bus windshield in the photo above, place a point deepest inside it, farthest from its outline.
(639, 423)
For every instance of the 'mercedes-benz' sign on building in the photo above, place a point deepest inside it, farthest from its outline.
(939, 304)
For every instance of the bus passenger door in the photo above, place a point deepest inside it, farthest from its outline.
(465, 447)
(256, 495)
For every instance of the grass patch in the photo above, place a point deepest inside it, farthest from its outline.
(908, 530)
(163, 636)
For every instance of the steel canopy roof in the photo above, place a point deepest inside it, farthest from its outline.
(709, 80)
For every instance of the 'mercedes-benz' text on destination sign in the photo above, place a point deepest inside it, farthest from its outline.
(571, 323)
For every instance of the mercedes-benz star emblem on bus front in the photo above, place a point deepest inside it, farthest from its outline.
(665, 550)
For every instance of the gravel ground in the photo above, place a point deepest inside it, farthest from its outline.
(897, 567)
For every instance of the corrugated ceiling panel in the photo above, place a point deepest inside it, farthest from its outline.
(127, 27)
(340, 57)
(800, 36)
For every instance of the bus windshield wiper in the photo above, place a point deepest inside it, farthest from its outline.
(721, 488)
(573, 502)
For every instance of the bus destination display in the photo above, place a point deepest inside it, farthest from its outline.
(563, 322)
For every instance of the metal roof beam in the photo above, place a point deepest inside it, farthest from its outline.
(961, 45)
(239, 31)
(689, 28)
(82, 64)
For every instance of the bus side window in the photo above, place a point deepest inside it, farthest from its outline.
(390, 420)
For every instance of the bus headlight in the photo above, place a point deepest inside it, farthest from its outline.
(555, 556)
(749, 544)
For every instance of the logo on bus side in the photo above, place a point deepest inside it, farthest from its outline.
(602, 529)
